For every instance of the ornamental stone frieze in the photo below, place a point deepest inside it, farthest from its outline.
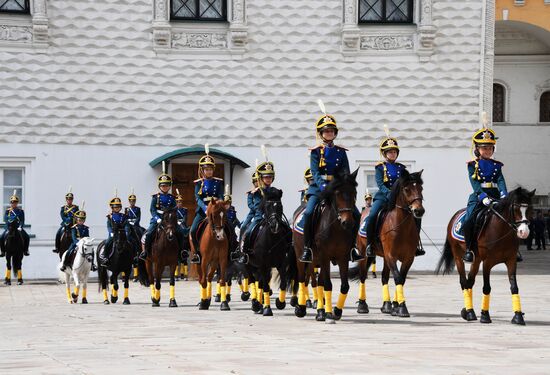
(26, 31)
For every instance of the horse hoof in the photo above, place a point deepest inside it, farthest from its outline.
(280, 304)
(260, 311)
(268, 311)
(228, 297)
(106, 302)
(330, 319)
(218, 298)
(402, 311)
(84, 301)
(300, 311)
(386, 307)
(315, 304)
(156, 303)
(126, 301)
(172, 303)
(309, 305)
(20, 282)
(485, 317)
(225, 306)
(256, 306)
(518, 318)
(294, 301)
(135, 280)
(114, 299)
(204, 304)
(362, 307)
(321, 315)
(7, 282)
(468, 315)
(337, 313)
(74, 297)
(245, 296)
(394, 305)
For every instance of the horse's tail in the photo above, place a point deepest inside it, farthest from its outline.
(143, 276)
(446, 262)
(291, 270)
(354, 272)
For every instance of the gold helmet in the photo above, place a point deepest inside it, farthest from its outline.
(132, 196)
(485, 135)
(326, 121)
(266, 169)
(115, 202)
(368, 195)
(308, 174)
(14, 197)
(80, 215)
(388, 143)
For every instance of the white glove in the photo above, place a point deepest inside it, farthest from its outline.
(158, 221)
(160, 212)
(486, 201)
(19, 229)
(111, 235)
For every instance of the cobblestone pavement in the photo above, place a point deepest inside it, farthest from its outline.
(42, 334)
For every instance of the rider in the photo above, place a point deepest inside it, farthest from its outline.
(253, 199)
(326, 160)
(67, 213)
(386, 174)
(308, 177)
(14, 213)
(134, 213)
(160, 202)
(183, 228)
(115, 217)
(487, 180)
(368, 201)
(231, 212)
(78, 231)
(206, 187)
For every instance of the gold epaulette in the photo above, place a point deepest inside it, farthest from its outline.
(198, 180)
(315, 147)
(217, 178)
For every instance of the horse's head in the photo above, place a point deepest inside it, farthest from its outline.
(519, 203)
(12, 227)
(119, 233)
(407, 193)
(87, 248)
(273, 209)
(169, 223)
(341, 194)
(216, 213)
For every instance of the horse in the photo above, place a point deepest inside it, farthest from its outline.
(136, 232)
(333, 239)
(164, 253)
(65, 240)
(14, 244)
(498, 242)
(398, 237)
(214, 245)
(120, 262)
(272, 248)
(79, 270)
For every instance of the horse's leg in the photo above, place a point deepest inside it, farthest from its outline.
(280, 302)
(104, 284)
(209, 279)
(321, 313)
(325, 270)
(222, 275)
(300, 308)
(344, 289)
(266, 288)
(386, 300)
(362, 307)
(485, 300)
(172, 302)
(68, 287)
(398, 279)
(511, 265)
(126, 280)
(7, 278)
(468, 312)
(114, 287)
(402, 310)
(76, 278)
(85, 288)
(157, 272)
(18, 266)
(314, 285)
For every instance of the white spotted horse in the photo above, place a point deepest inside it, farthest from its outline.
(79, 270)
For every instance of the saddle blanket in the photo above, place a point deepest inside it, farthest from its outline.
(363, 228)
(298, 225)
(456, 232)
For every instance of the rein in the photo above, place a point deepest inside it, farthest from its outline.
(408, 213)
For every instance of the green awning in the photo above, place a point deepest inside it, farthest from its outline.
(198, 150)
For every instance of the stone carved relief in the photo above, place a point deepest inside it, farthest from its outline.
(16, 33)
(199, 40)
(387, 42)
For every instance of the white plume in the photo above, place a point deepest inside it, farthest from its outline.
(163, 166)
(386, 130)
(227, 189)
(116, 192)
(257, 163)
(207, 149)
(14, 191)
(484, 119)
(82, 205)
(70, 188)
(322, 106)
(264, 152)
(132, 190)
(177, 191)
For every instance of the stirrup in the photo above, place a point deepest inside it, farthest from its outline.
(307, 255)
(468, 256)
(243, 259)
(419, 252)
(355, 256)
(143, 255)
(196, 258)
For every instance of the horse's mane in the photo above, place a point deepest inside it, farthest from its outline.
(341, 181)
(405, 178)
(518, 195)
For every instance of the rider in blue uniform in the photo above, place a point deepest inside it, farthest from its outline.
(160, 202)
(308, 177)
(326, 160)
(252, 201)
(207, 187)
(231, 212)
(78, 231)
(487, 181)
(183, 228)
(134, 212)
(116, 217)
(67, 213)
(14, 213)
(386, 174)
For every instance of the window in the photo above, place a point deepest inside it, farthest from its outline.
(371, 182)
(198, 10)
(545, 107)
(499, 98)
(14, 6)
(386, 11)
(11, 179)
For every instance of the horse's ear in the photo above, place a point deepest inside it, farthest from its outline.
(420, 173)
(280, 194)
(354, 174)
(532, 193)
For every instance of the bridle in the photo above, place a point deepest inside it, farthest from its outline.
(515, 224)
(213, 225)
(161, 227)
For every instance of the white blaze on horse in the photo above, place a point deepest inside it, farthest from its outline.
(79, 270)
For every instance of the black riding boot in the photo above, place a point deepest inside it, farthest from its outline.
(243, 256)
(103, 259)
(419, 248)
(2, 251)
(370, 236)
(57, 240)
(469, 255)
(196, 258)
(26, 249)
(307, 255)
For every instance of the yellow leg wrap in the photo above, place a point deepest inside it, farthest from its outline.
(516, 304)
(301, 294)
(8, 274)
(125, 293)
(209, 289)
(468, 304)
(321, 300)
(395, 295)
(177, 271)
(485, 300)
(204, 293)
(374, 267)
(245, 285)
(328, 301)
(223, 293)
(266, 299)
(76, 291)
(135, 272)
(122, 274)
(19, 274)
(314, 294)
(260, 296)
(185, 270)
(105, 295)
(84, 292)
(152, 290)
(218, 288)
(227, 289)
(385, 293)
(316, 270)
(400, 294)
(114, 292)
(282, 295)
(69, 297)
(172, 291)
(253, 291)
(362, 292)
(157, 294)
(341, 301)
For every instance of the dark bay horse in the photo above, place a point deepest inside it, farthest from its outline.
(65, 240)
(498, 242)
(214, 245)
(333, 240)
(136, 232)
(164, 253)
(120, 262)
(398, 237)
(14, 245)
(272, 248)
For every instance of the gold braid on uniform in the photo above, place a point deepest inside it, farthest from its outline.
(322, 162)
(476, 176)
(386, 179)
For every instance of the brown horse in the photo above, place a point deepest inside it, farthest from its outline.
(214, 245)
(398, 237)
(165, 250)
(498, 242)
(332, 243)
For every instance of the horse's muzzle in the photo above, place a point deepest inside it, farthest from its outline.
(418, 212)
(523, 231)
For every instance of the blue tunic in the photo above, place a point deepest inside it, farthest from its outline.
(134, 214)
(67, 214)
(159, 203)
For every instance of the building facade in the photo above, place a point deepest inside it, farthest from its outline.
(94, 91)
